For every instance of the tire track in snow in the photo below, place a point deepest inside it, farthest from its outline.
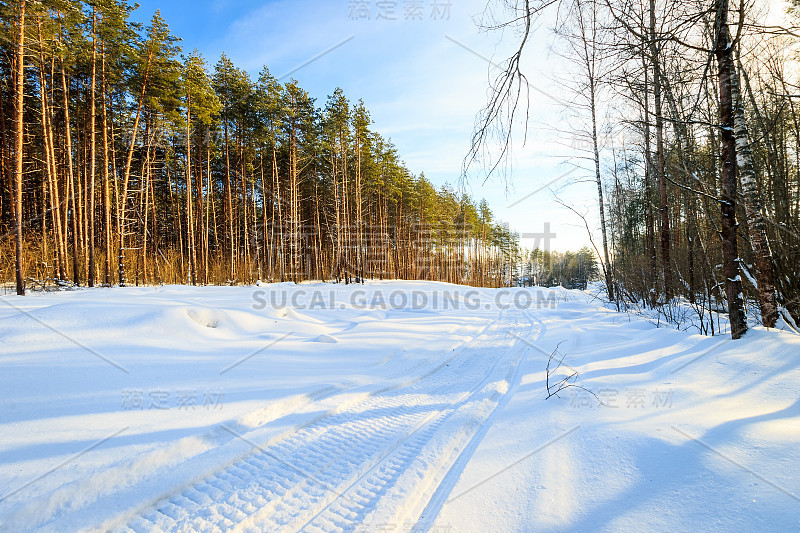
(445, 487)
(331, 474)
(384, 476)
(425, 468)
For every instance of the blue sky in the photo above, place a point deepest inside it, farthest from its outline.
(422, 88)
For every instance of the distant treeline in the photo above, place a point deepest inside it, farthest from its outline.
(573, 270)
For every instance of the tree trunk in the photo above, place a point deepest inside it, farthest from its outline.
(106, 193)
(70, 179)
(660, 160)
(92, 154)
(18, 145)
(189, 222)
(765, 275)
(294, 214)
(228, 201)
(730, 254)
(648, 176)
(606, 263)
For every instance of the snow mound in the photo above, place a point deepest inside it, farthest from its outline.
(327, 339)
(205, 317)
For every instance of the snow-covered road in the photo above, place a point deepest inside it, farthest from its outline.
(375, 461)
(394, 406)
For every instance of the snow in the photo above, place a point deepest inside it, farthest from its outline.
(386, 406)
(748, 275)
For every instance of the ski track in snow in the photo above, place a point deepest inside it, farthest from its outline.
(375, 462)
